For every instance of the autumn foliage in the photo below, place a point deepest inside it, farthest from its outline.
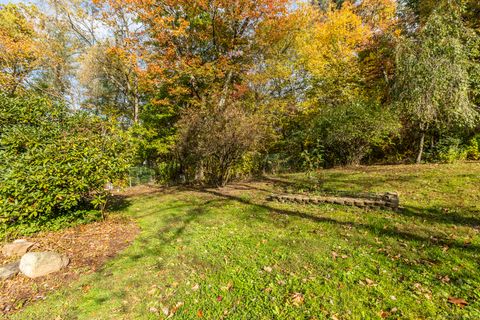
(210, 90)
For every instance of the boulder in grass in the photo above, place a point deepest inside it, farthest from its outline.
(16, 248)
(9, 270)
(38, 264)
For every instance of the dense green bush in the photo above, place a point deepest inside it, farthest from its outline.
(53, 162)
(446, 150)
(214, 140)
(348, 132)
(473, 148)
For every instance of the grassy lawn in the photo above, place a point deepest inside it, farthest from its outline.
(229, 254)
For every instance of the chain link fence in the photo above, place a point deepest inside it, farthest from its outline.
(140, 175)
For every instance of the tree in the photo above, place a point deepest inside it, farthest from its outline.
(432, 79)
(108, 43)
(345, 57)
(201, 55)
(19, 46)
(111, 82)
(329, 51)
(37, 53)
(59, 54)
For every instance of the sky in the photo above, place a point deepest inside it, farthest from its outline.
(13, 1)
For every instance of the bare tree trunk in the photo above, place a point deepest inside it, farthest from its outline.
(132, 97)
(199, 172)
(223, 97)
(420, 148)
(136, 102)
(136, 108)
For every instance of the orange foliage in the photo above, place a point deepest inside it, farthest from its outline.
(19, 47)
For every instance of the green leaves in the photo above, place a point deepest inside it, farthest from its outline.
(52, 163)
(432, 76)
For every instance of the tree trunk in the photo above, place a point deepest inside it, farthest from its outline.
(136, 102)
(136, 108)
(199, 172)
(223, 97)
(420, 148)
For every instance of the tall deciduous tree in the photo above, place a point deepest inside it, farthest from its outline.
(202, 49)
(432, 79)
(19, 46)
(202, 54)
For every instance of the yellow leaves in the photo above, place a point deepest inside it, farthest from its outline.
(19, 46)
(344, 48)
(335, 38)
(379, 15)
(329, 51)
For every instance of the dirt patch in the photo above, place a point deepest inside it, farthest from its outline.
(88, 247)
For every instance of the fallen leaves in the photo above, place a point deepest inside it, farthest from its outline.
(297, 299)
(177, 306)
(89, 246)
(335, 255)
(445, 279)
(368, 282)
(196, 287)
(458, 301)
(267, 269)
(228, 287)
(166, 311)
(384, 314)
(421, 290)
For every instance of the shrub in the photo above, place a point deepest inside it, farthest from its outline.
(473, 148)
(52, 162)
(447, 150)
(213, 140)
(348, 132)
(312, 157)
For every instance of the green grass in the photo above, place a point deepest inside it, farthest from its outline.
(229, 254)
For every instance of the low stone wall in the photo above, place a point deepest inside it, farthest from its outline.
(387, 201)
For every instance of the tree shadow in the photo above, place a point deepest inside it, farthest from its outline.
(460, 216)
(468, 218)
(361, 189)
(386, 231)
(118, 202)
(175, 227)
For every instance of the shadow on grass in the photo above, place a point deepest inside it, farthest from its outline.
(469, 218)
(380, 231)
(174, 229)
(361, 187)
(118, 203)
(455, 216)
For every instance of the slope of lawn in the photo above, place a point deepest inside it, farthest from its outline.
(229, 254)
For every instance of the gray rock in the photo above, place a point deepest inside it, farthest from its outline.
(38, 264)
(359, 203)
(16, 248)
(9, 270)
